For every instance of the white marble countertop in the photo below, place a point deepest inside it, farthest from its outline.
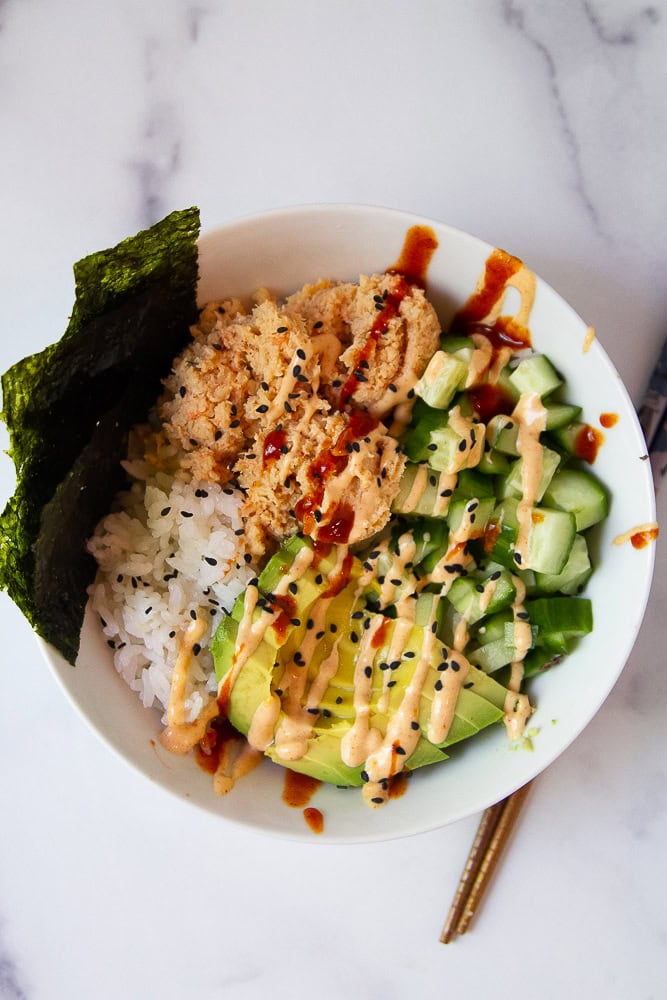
(538, 126)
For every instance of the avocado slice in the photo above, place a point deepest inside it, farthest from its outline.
(323, 637)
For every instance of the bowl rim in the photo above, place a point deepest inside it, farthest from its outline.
(361, 212)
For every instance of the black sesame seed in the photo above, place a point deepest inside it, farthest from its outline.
(446, 493)
(247, 557)
(517, 558)
(354, 637)
(414, 725)
(433, 447)
(409, 654)
(391, 684)
(333, 627)
(301, 354)
(293, 588)
(319, 579)
(462, 445)
(193, 614)
(263, 408)
(217, 435)
(377, 799)
(368, 671)
(318, 325)
(165, 511)
(182, 391)
(496, 575)
(196, 649)
(295, 621)
(400, 750)
(523, 616)
(186, 513)
(210, 560)
(455, 666)
(172, 635)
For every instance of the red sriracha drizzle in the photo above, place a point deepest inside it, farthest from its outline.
(388, 308)
(331, 462)
(419, 246)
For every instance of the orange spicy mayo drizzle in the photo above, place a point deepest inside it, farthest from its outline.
(639, 536)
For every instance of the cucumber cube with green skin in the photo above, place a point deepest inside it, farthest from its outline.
(444, 376)
(567, 436)
(460, 347)
(537, 375)
(579, 492)
(560, 414)
(512, 485)
(560, 618)
(416, 438)
(550, 541)
(479, 517)
(493, 462)
(501, 434)
(574, 575)
(465, 595)
(471, 484)
(493, 655)
(419, 492)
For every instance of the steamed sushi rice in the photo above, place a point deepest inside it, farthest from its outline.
(173, 552)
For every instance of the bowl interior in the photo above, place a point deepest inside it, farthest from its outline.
(281, 250)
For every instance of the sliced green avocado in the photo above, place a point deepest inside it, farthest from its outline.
(329, 625)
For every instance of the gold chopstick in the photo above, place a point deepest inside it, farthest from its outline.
(492, 834)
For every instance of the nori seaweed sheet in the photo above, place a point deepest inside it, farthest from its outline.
(69, 410)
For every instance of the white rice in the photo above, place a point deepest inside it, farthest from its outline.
(157, 565)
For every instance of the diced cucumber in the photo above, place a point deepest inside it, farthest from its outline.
(471, 484)
(444, 376)
(511, 486)
(459, 347)
(574, 575)
(560, 618)
(550, 540)
(535, 374)
(580, 493)
(501, 434)
(493, 462)
(479, 515)
(419, 492)
(467, 594)
(560, 414)
(493, 655)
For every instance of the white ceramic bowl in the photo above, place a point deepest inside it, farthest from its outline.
(282, 250)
